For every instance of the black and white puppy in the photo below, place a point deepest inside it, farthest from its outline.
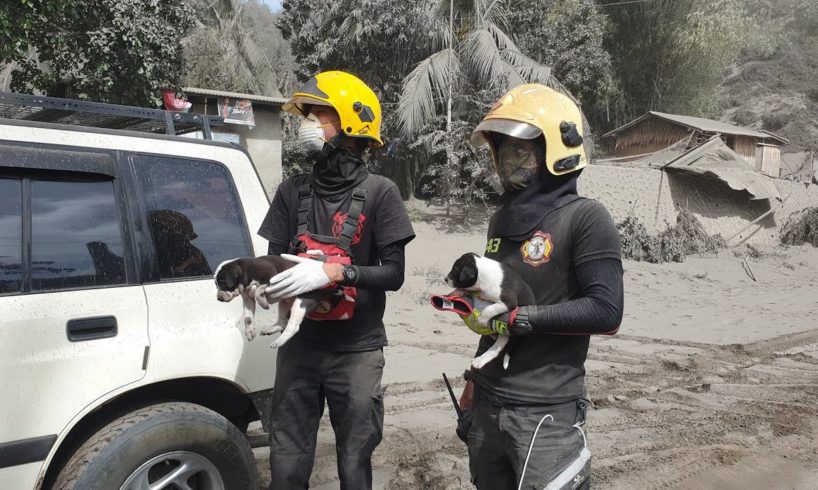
(493, 282)
(248, 277)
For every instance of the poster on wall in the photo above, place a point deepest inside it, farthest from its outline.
(236, 111)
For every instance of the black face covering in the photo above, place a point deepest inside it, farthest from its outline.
(338, 173)
(523, 210)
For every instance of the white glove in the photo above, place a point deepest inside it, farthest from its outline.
(308, 275)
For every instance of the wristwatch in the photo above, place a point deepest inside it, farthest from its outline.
(350, 273)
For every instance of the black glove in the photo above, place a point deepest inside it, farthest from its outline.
(514, 322)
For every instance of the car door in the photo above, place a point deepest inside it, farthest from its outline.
(195, 220)
(74, 319)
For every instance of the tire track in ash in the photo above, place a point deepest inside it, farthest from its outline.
(703, 412)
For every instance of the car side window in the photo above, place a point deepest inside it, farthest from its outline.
(11, 236)
(193, 213)
(76, 235)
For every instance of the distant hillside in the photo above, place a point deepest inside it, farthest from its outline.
(779, 93)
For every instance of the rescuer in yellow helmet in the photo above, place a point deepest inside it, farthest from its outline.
(358, 223)
(527, 417)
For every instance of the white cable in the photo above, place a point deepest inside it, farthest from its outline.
(531, 446)
(584, 440)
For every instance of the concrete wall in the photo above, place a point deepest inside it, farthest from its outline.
(654, 197)
(263, 142)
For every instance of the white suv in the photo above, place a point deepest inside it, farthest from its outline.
(119, 369)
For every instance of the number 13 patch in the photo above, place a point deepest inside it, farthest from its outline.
(537, 249)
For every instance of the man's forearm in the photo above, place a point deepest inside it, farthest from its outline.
(598, 311)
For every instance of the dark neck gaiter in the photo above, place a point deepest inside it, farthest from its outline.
(337, 174)
(523, 211)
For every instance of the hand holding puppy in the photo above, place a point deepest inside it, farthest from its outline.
(307, 275)
(511, 323)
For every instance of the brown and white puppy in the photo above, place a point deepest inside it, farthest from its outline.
(248, 277)
(493, 282)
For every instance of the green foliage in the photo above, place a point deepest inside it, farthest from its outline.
(806, 21)
(377, 40)
(774, 121)
(744, 117)
(471, 48)
(19, 20)
(456, 174)
(119, 51)
(671, 54)
(236, 46)
(568, 35)
(294, 158)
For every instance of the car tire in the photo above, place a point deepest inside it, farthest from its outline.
(177, 442)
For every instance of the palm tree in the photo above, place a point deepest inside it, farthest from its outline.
(473, 47)
(224, 51)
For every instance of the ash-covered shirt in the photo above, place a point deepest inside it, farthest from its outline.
(548, 369)
(383, 221)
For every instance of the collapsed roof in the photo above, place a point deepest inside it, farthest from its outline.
(715, 160)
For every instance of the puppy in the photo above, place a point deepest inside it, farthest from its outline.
(248, 278)
(495, 283)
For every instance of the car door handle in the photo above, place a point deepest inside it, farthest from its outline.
(98, 327)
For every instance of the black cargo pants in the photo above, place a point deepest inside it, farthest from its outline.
(350, 383)
(500, 437)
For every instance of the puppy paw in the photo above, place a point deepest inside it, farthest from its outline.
(271, 331)
(249, 329)
(261, 297)
(277, 343)
(479, 362)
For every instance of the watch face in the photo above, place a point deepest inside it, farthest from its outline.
(349, 273)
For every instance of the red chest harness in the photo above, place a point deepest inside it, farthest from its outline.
(336, 302)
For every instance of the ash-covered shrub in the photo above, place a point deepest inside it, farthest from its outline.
(674, 244)
(801, 228)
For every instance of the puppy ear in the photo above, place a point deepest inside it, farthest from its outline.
(467, 276)
(231, 279)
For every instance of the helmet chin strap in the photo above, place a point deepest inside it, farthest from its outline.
(329, 147)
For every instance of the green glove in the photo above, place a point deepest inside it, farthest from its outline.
(471, 319)
(514, 322)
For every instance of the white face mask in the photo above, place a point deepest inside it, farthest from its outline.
(311, 134)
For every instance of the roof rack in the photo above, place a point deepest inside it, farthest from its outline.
(99, 115)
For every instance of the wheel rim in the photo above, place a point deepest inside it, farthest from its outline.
(176, 470)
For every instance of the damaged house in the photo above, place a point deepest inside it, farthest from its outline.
(726, 175)
(656, 131)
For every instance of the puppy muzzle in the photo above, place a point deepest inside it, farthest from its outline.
(226, 296)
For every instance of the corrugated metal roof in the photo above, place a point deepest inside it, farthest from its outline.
(235, 95)
(665, 156)
(714, 159)
(710, 126)
(702, 124)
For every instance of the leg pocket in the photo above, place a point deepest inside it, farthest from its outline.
(545, 443)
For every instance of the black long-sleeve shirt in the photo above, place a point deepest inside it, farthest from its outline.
(598, 310)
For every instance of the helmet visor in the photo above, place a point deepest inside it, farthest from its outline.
(297, 102)
(507, 127)
(517, 162)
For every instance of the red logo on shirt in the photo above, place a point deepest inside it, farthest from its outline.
(338, 225)
(537, 249)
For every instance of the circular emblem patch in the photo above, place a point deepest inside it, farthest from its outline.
(537, 249)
